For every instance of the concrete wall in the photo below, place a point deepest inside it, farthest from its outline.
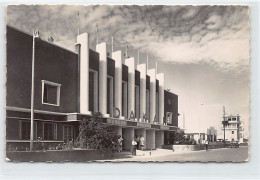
(59, 156)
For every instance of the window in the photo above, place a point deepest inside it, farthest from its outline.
(124, 99)
(232, 132)
(168, 117)
(229, 119)
(137, 102)
(25, 130)
(49, 131)
(93, 91)
(157, 107)
(234, 119)
(67, 133)
(110, 95)
(148, 105)
(50, 93)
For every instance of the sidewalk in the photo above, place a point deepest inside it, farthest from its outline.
(143, 156)
(149, 156)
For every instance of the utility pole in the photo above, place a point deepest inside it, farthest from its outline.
(35, 35)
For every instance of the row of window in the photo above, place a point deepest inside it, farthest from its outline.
(232, 119)
(232, 126)
(49, 131)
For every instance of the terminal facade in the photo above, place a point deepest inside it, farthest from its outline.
(70, 86)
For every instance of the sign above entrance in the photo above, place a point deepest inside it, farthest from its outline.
(164, 127)
(143, 125)
(116, 122)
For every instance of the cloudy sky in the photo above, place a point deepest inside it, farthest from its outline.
(203, 50)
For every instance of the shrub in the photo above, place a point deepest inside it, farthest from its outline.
(94, 134)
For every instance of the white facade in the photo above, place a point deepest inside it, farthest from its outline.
(233, 128)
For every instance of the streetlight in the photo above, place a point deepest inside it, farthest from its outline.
(35, 35)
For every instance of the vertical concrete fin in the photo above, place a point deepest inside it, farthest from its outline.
(102, 50)
(130, 62)
(142, 69)
(151, 73)
(160, 77)
(82, 42)
(117, 56)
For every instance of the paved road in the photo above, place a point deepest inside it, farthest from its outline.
(213, 155)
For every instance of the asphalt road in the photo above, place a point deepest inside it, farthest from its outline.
(212, 155)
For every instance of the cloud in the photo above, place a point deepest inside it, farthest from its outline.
(177, 34)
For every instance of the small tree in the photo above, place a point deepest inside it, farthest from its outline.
(95, 134)
(179, 137)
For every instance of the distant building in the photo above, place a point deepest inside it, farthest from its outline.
(212, 134)
(233, 129)
(196, 136)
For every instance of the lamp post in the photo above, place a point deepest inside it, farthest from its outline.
(35, 35)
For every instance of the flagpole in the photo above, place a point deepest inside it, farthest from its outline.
(78, 24)
(126, 51)
(112, 49)
(97, 32)
(35, 34)
(147, 60)
(138, 57)
(155, 66)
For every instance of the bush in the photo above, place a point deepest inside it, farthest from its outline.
(94, 134)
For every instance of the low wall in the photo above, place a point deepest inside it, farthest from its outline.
(58, 155)
(197, 147)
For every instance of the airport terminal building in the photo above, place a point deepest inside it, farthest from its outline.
(69, 86)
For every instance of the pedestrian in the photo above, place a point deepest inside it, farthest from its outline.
(142, 143)
(206, 144)
(137, 139)
(119, 143)
(134, 145)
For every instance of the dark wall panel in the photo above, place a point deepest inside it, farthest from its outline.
(52, 63)
(110, 67)
(125, 73)
(93, 60)
(147, 82)
(137, 78)
(171, 105)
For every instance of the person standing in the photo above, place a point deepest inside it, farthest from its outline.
(134, 145)
(142, 143)
(206, 144)
(137, 141)
(119, 143)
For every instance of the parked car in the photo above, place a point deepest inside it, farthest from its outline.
(232, 144)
